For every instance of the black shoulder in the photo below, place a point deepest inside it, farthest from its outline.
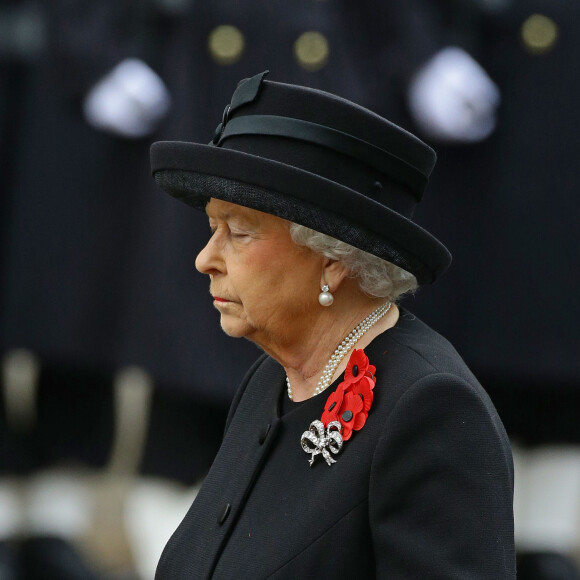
(425, 350)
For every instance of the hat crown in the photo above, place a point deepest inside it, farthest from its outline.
(329, 136)
(317, 106)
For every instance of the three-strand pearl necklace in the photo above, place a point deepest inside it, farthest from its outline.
(344, 348)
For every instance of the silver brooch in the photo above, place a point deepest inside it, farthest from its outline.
(325, 442)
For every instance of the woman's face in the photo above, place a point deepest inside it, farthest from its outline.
(264, 286)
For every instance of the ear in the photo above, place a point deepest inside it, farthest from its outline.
(333, 273)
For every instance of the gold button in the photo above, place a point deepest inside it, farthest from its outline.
(311, 50)
(226, 44)
(539, 33)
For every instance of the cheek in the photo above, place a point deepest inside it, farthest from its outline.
(263, 264)
(290, 285)
(254, 282)
(276, 275)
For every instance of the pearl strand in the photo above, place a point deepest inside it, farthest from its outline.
(344, 348)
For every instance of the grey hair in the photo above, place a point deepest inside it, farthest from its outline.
(375, 276)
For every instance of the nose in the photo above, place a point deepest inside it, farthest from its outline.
(209, 260)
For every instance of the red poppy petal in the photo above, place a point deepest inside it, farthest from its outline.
(359, 359)
(353, 403)
(367, 399)
(359, 421)
(364, 360)
(346, 433)
(328, 417)
(348, 379)
(362, 357)
(334, 401)
(364, 386)
(370, 382)
(359, 389)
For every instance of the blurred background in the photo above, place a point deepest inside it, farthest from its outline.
(115, 377)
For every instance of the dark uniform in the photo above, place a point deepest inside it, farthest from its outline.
(509, 212)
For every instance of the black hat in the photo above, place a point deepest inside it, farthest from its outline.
(315, 159)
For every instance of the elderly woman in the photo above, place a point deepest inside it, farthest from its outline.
(359, 445)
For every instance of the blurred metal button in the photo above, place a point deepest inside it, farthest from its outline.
(23, 31)
(226, 44)
(311, 50)
(539, 33)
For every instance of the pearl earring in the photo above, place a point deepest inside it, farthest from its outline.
(325, 297)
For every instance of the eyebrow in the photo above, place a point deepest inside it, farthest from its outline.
(227, 215)
(221, 214)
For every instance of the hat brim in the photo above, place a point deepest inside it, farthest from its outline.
(194, 173)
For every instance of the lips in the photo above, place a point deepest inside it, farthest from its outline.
(220, 299)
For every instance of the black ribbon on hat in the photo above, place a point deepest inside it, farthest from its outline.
(344, 143)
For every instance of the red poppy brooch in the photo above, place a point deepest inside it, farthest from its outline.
(346, 410)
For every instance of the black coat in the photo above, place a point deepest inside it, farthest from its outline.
(424, 490)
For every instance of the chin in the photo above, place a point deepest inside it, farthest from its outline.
(235, 329)
(233, 333)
